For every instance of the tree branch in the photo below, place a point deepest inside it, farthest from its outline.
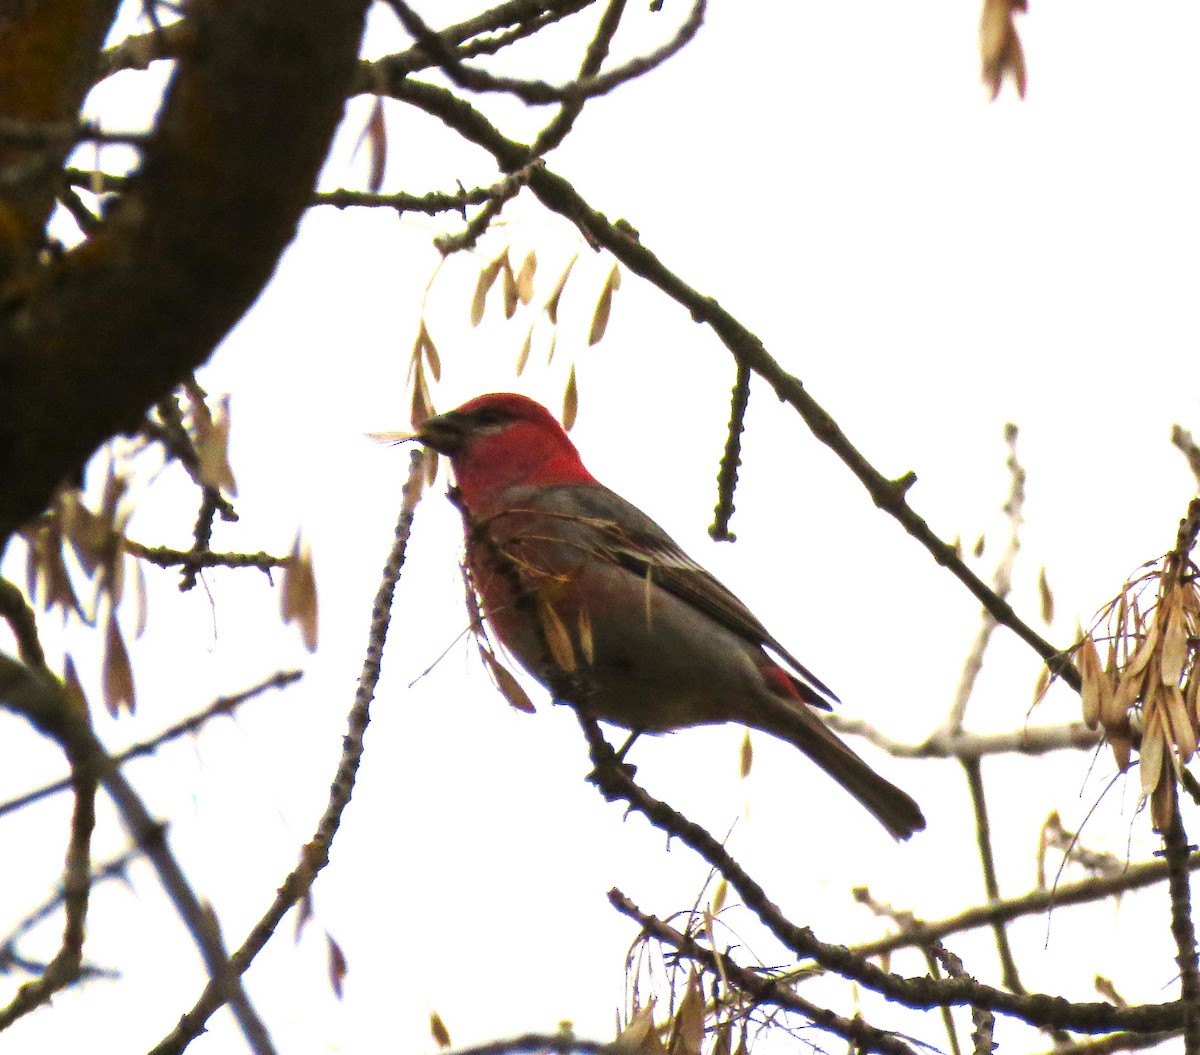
(1038, 1009)
(116, 868)
(39, 697)
(48, 52)
(90, 341)
(1035, 740)
(1183, 930)
(537, 92)
(731, 459)
(1097, 888)
(764, 989)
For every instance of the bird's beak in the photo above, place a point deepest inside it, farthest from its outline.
(444, 433)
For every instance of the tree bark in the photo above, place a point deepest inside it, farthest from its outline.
(88, 342)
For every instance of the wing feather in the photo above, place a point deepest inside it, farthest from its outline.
(637, 543)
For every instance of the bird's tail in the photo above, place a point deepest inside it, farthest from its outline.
(800, 726)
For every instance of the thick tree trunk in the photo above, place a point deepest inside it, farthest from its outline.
(90, 341)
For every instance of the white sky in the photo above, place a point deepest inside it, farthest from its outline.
(931, 266)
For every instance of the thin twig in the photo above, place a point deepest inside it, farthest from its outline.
(193, 724)
(111, 869)
(991, 886)
(15, 611)
(432, 203)
(1001, 585)
(537, 92)
(39, 698)
(173, 434)
(1028, 740)
(399, 202)
(500, 194)
(1098, 862)
(905, 921)
(984, 1021)
(727, 474)
(947, 1014)
(764, 989)
(1014, 507)
(1181, 438)
(524, 18)
(597, 51)
(164, 557)
(64, 969)
(1082, 892)
(87, 220)
(1176, 851)
(210, 499)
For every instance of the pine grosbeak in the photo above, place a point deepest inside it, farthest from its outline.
(598, 603)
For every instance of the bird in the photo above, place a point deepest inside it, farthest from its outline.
(601, 605)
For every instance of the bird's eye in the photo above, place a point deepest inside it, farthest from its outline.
(489, 417)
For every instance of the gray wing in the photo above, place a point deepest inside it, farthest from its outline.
(638, 544)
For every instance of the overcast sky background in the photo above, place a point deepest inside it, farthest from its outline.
(930, 265)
